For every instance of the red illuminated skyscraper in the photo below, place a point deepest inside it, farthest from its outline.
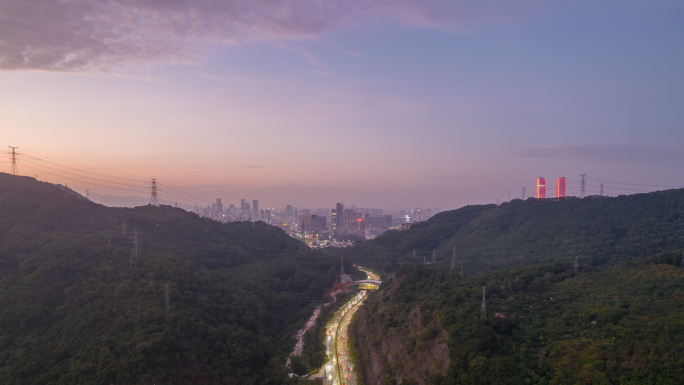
(560, 188)
(541, 188)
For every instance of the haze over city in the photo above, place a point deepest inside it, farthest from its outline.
(377, 104)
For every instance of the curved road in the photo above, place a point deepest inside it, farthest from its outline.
(339, 370)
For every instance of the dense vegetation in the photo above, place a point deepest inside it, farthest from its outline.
(600, 231)
(544, 325)
(72, 311)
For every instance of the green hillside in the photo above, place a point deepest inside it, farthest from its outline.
(72, 311)
(601, 232)
(618, 325)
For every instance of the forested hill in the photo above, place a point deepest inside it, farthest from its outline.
(73, 310)
(544, 324)
(600, 231)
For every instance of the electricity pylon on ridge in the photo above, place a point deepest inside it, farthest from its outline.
(483, 312)
(583, 184)
(154, 200)
(135, 251)
(453, 260)
(167, 299)
(13, 159)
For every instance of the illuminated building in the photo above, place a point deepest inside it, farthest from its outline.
(560, 188)
(541, 188)
(255, 209)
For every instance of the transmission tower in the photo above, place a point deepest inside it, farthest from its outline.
(88, 193)
(498, 202)
(135, 252)
(601, 199)
(523, 192)
(583, 184)
(167, 300)
(453, 260)
(13, 159)
(576, 265)
(434, 260)
(483, 312)
(154, 201)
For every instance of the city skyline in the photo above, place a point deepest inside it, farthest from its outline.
(381, 105)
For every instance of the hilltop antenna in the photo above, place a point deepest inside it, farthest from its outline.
(135, 248)
(601, 199)
(576, 265)
(167, 300)
(13, 159)
(154, 201)
(433, 257)
(583, 185)
(509, 195)
(88, 193)
(523, 192)
(483, 312)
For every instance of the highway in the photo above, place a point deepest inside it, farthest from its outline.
(339, 369)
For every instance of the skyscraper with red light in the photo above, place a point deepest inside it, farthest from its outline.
(541, 188)
(560, 188)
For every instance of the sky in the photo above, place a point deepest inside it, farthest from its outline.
(377, 103)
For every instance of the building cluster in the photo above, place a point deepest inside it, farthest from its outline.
(319, 227)
(541, 188)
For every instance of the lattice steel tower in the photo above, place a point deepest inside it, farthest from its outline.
(483, 312)
(583, 185)
(13, 159)
(453, 260)
(154, 201)
(136, 251)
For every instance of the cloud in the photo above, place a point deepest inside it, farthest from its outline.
(102, 36)
(628, 154)
(456, 177)
(255, 166)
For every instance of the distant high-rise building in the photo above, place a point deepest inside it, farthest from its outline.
(289, 211)
(429, 213)
(255, 209)
(541, 188)
(560, 188)
(339, 215)
(267, 216)
(219, 206)
(231, 209)
(306, 212)
(243, 206)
